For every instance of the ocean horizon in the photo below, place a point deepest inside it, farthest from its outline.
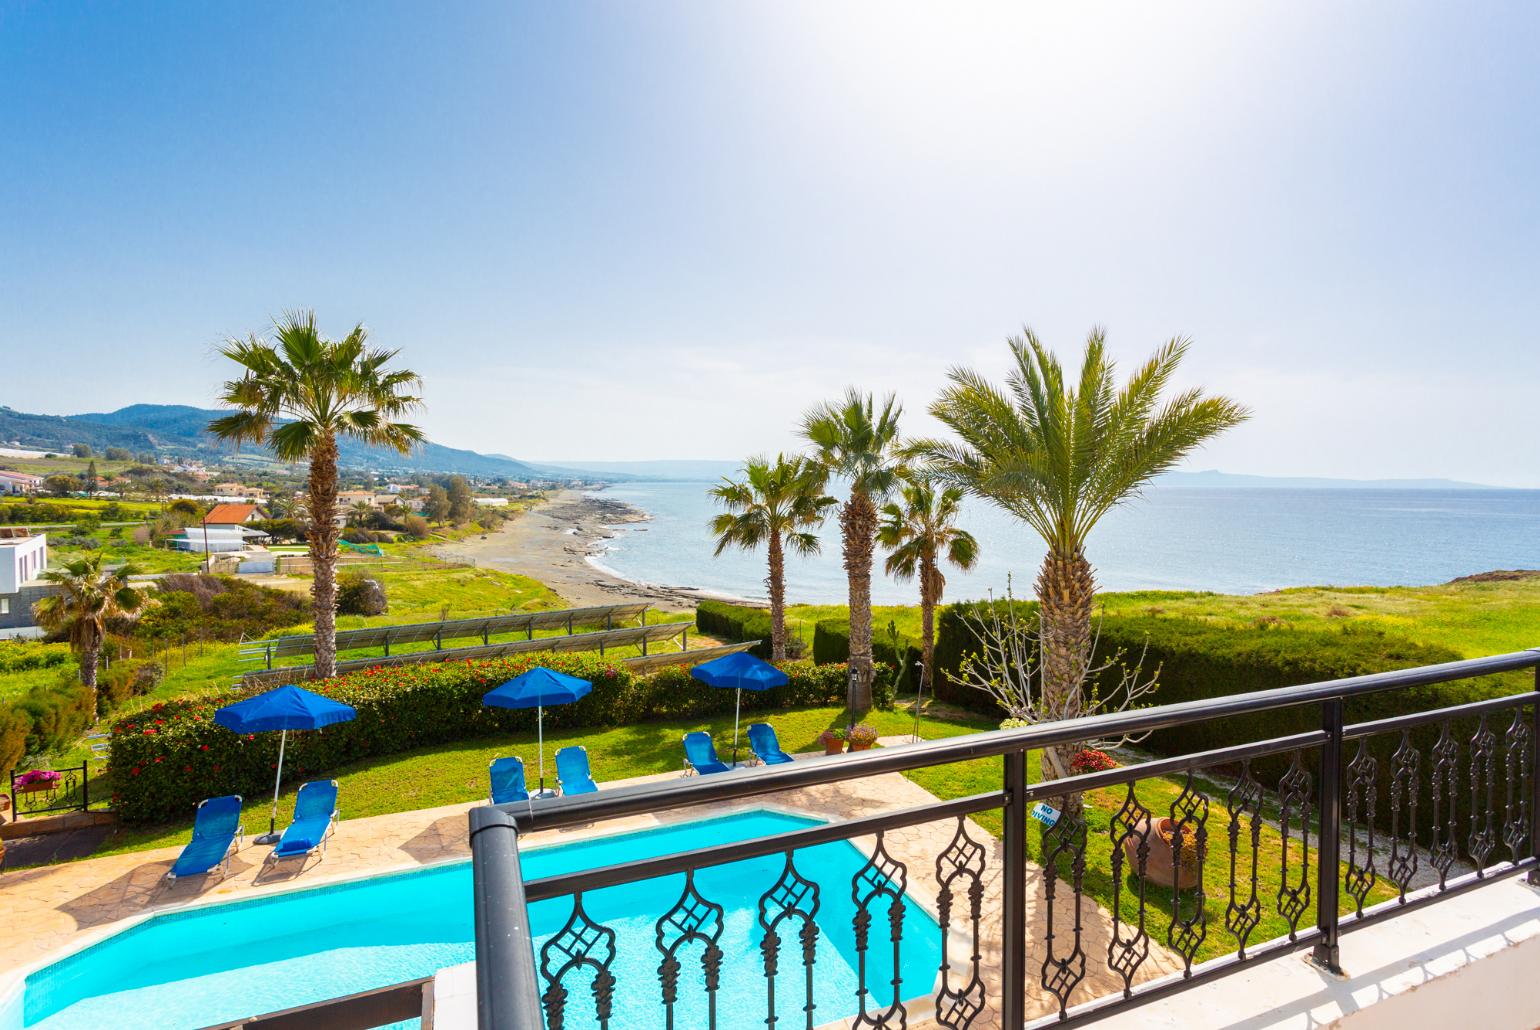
(1222, 540)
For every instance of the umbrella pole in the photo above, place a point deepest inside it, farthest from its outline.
(272, 819)
(540, 731)
(737, 704)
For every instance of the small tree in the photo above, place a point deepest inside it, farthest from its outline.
(61, 485)
(462, 504)
(88, 479)
(436, 505)
(89, 599)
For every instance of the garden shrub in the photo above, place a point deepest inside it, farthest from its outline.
(897, 651)
(166, 759)
(203, 607)
(26, 655)
(358, 594)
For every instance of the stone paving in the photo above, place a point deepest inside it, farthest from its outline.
(54, 908)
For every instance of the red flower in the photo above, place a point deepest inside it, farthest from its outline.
(157, 759)
(187, 768)
(203, 747)
(134, 771)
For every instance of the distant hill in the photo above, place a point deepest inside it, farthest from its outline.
(680, 471)
(1215, 478)
(182, 430)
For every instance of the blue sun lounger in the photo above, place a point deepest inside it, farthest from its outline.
(507, 776)
(700, 754)
(766, 747)
(315, 818)
(216, 831)
(572, 771)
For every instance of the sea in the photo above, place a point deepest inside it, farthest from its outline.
(1225, 540)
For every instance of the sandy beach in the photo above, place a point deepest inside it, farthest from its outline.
(552, 543)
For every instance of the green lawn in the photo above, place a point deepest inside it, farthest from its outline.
(122, 550)
(446, 774)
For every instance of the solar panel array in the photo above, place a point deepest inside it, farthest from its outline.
(599, 640)
(452, 629)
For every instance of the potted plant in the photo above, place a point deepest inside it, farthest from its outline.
(36, 780)
(1089, 760)
(861, 737)
(1159, 867)
(833, 741)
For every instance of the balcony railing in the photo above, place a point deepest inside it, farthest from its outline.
(1352, 813)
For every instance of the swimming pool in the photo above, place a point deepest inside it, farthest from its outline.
(220, 962)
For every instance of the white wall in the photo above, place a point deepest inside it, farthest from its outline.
(22, 560)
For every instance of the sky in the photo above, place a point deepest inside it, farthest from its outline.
(663, 230)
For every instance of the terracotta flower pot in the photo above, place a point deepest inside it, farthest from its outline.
(860, 745)
(1157, 865)
(832, 746)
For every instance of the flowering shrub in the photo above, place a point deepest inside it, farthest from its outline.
(1089, 760)
(166, 759)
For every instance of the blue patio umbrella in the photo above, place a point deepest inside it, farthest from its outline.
(739, 671)
(283, 709)
(536, 689)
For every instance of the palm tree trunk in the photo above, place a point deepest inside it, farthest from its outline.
(777, 584)
(88, 659)
(1066, 589)
(929, 595)
(322, 486)
(858, 521)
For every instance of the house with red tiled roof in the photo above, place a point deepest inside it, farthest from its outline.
(231, 515)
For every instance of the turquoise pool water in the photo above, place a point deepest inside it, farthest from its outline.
(222, 962)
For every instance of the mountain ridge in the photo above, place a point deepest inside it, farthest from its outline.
(182, 430)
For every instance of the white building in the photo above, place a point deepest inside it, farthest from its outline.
(19, 483)
(23, 558)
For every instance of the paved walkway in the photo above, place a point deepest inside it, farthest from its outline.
(53, 908)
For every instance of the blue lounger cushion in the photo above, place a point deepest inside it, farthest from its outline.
(701, 753)
(766, 747)
(315, 813)
(572, 771)
(507, 778)
(216, 826)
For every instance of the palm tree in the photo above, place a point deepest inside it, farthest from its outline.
(920, 534)
(299, 394)
(777, 504)
(1059, 456)
(857, 441)
(88, 601)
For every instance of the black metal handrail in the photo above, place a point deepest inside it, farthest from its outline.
(509, 982)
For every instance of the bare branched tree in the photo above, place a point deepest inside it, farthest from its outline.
(1007, 665)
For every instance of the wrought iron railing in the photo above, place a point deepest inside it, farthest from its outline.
(1401, 812)
(69, 790)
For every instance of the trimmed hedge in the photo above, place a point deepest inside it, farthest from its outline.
(168, 758)
(735, 622)
(831, 643)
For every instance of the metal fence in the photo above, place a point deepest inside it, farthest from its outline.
(70, 792)
(1354, 813)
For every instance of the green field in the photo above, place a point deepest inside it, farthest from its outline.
(1471, 618)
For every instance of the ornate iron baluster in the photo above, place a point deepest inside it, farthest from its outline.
(1483, 836)
(1294, 798)
(962, 859)
(1360, 876)
(1066, 837)
(791, 896)
(580, 942)
(1187, 932)
(881, 877)
(1125, 955)
(1405, 765)
(1443, 850)
(1245, 798)
(691, 919)
(1516, 812)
